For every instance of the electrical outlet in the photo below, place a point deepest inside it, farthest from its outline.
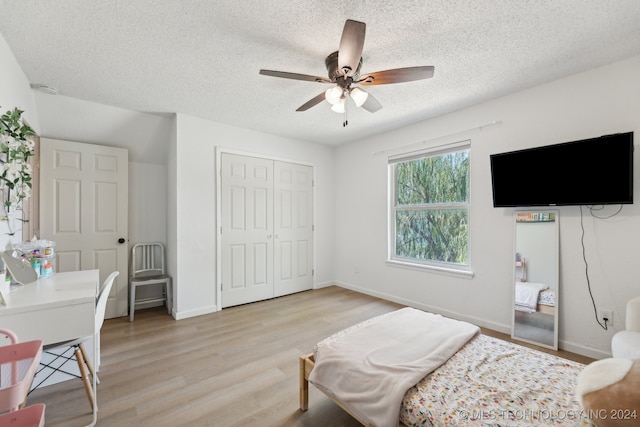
(605, 315)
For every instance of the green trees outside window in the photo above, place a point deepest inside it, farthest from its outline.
(431, 208)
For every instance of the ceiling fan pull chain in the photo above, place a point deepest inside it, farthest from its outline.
(345, 122)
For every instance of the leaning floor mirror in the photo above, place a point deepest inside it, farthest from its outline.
(536, 287)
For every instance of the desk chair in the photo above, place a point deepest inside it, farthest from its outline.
(148, 267)
(31, 416)
(76, 346)
(18, 363)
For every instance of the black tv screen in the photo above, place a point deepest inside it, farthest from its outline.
(596, 171)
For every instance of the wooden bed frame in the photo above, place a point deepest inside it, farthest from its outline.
(546, 309)
(306, 366)
(307, 363)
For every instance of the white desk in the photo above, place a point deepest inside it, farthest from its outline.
(54, 309)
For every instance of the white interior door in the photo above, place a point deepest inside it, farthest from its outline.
(267, 228)
(247, 229)
(83, 208)
(293, 228)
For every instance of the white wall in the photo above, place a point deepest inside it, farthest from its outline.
(147, 211)
(594, 103)
(172, 210)
(195, 219)
(147, 203)
(145, 135)
(14, 92)
(14, 87)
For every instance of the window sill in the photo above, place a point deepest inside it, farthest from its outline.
(468, 274)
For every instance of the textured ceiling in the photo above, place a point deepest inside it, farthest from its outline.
(202, 57)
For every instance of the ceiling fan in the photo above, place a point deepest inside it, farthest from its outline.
(343, 68)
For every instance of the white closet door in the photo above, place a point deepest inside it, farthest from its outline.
(247, 229)
(293, 228)
(84, 209)
(267, 228)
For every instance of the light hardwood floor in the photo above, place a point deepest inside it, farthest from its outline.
(236, 367)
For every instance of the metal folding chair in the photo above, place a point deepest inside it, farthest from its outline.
(148, 267)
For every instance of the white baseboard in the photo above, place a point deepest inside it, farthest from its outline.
(323, 285)
(582, 350)
(506, 329)
(179, 315)
(432, 309)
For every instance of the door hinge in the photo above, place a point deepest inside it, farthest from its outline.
(313, 228)
(313, 272)
(220, 229)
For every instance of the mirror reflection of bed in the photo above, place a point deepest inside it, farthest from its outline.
(536, 278)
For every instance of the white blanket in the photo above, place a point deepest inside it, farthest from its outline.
(371, 368)
(526, 295)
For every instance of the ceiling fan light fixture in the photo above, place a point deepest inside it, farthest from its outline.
(343, 71)
(333, 95)
(358, 95)
(338, 107)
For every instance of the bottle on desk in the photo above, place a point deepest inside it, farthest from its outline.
(46, 269)
(37, 265)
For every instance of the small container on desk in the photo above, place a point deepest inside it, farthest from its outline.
(46, 260)
(41, 255)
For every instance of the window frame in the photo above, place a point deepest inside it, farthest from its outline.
(440, 266)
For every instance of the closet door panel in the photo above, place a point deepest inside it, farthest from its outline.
(293, 208)
(247, 229)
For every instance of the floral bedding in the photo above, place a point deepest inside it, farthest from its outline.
(369, 370)
(491, 382)
(547, 297)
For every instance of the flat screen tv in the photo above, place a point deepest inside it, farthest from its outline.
(596, 171)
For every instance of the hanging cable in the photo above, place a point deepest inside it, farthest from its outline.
(586, 271)
(592, 211)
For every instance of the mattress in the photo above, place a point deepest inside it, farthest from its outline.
(348, 330)
(492, 382)
(547, 297)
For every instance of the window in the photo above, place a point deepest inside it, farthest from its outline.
(429, 208)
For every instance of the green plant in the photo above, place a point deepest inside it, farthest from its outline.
(16, 147)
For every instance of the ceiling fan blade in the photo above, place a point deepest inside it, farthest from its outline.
(351, 45)
(397, 75)
(371, 104)
(312, 102)
(295, 76)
